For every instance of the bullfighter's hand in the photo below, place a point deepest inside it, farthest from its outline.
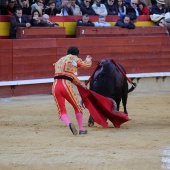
(88, 58)
(28, 24)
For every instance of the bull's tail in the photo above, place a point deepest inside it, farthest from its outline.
(132, 88)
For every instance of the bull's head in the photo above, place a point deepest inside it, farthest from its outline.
(101, 69)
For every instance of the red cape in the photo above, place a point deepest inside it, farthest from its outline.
(100, 108)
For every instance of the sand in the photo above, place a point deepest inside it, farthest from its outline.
(32, 137)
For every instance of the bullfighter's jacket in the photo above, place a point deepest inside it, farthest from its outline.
(68, 66)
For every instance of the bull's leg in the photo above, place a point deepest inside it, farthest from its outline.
(124, 101)
(117, 100)
(90, 121)
(125, 95)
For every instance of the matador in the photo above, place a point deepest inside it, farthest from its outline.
(65, 76)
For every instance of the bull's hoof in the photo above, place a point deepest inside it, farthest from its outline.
(90, 124)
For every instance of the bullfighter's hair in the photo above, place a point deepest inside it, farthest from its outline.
(73, 50)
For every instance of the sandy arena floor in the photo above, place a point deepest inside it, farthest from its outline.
(32, 136)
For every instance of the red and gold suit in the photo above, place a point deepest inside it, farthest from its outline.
(65, 76)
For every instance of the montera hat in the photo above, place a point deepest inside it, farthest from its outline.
(161, 1)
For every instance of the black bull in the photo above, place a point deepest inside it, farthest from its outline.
(110, 82)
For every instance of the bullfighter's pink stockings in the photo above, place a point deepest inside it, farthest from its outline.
(65, 119)
(79, 117)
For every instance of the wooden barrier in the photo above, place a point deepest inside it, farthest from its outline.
(33, 59)
(40, 32)
(135, 53)
(6, 62)
(117, 31)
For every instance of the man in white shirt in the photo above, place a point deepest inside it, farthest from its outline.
(102, 22)
(133, 11)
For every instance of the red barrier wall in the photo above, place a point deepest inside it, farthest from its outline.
(26, 59)
(33, 89)
(136, 54)
(115, 31)
(6, 91)
(6, 62)
(33, 59)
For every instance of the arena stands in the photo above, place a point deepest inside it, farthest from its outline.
(26, 65)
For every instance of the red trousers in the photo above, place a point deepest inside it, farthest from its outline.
(63, 90)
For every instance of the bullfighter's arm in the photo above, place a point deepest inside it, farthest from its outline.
(84, 64)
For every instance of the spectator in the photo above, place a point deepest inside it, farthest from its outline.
(167, 3)
(36, 18)
(168, 25)
(125, 22)
(162, 23)
(46, 3)
(144, 10)
(46, 22)
(65, 76)
(127, 3)
(39, 5)
(11, 7)
(26, 9)
(121, 8)
(65, 8)
(99, 8)
(102, 22)
(52, 10)
(85, 21)
(86, 8)
(41, 21)
(17, 20)
(133, 11)
(147, 3)
(79, 2)
(153, 2)
(159, 20)
(3, 7)
(168, 9)
(158, 8)
(20, 3)
(75, 8)
(111, 7)
(31, 2)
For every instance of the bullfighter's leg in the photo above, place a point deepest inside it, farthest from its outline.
(72, 98)
(60, 103)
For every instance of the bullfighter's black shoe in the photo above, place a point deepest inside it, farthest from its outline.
(82, 132)
(73, 129)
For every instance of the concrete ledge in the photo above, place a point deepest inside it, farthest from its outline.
(82, 78)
